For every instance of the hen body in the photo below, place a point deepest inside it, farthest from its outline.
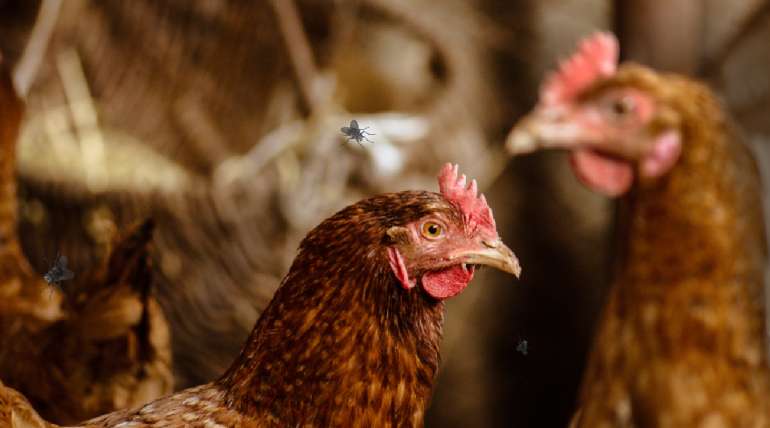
(340, 343)
(681, 340)
(101, 347)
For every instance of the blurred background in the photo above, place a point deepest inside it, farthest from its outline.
(220, 119)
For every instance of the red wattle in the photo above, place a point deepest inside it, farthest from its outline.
(612, 177)
(446, 283)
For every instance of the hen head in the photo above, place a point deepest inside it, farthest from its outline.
(620, 122)
(441, 249)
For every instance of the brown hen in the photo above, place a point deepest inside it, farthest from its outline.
(351, 337)
(101, 348)
(681, 342)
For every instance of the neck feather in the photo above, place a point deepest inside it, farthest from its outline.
(340, 341)
(695, 241)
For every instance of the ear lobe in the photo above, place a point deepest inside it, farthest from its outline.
(399, 268)
(664, 155)
(398, 234)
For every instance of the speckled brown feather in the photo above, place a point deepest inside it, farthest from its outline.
(16, 412)
(111, 350)
(106, 349)
(681, 339)
(340, 344)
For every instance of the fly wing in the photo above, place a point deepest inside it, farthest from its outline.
(354, 124)
(345, 130)
(63, 262)
(66, 275)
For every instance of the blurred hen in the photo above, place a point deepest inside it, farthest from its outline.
(681, 339)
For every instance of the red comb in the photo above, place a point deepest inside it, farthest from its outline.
(473, 206)
(597, 57)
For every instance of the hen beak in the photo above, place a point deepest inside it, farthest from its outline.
(541, 129)
(555, 128)
(494, 254)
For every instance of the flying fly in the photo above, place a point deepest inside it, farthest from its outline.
(353, 132)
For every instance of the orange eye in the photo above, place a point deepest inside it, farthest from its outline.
(432, 230)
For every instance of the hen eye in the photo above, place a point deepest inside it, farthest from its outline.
(432, 230)
(620, 107)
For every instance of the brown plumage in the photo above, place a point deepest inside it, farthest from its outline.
(99, 347)
(16, 412)
(351, 337)
(681, 342)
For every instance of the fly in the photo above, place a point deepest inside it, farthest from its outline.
(58, 272)
(522, 346)
(353, 132)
